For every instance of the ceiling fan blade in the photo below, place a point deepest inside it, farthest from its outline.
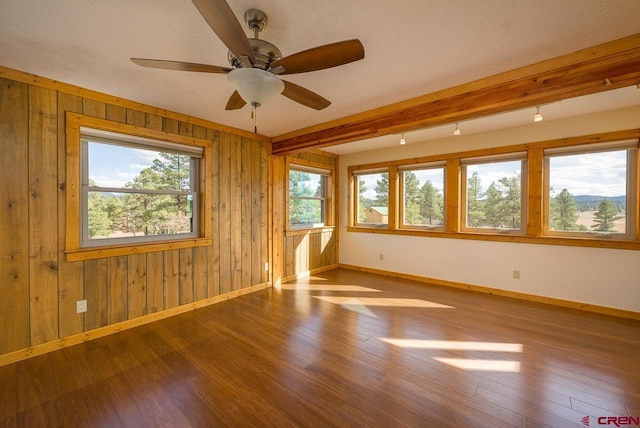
(304, 96)
(223, 22)
(321, 57)
(180, 66)
(235, 102)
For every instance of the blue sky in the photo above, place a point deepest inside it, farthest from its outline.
(114, 166)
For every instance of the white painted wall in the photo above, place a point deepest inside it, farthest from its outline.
(604, 277)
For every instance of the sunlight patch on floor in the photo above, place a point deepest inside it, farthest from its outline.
(328, 287)
(454, 345)
(382, 301)
(481, 365)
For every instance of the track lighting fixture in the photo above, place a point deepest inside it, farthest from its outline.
(537, 117)
(402, 140)
(456, 131)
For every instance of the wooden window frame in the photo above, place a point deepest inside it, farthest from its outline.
(631, 147)
(73, 210)
(392, 173)
(421, 167)
(330, 190)
(533, 204)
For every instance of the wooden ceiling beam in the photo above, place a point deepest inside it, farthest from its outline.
(600, 68)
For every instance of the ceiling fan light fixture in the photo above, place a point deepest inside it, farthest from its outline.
(255, 86)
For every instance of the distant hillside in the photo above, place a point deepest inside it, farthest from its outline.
(594, 198)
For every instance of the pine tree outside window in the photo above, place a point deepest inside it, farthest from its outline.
(494, 194)
(423, 196)
(308, 189)
(137, 191)
(372, 203)
(590, 190)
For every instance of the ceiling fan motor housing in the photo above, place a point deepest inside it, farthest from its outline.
(264, 52)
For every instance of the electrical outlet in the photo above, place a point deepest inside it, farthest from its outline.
(381, 256)
(516, 274)
(266, 266)
(81, 306)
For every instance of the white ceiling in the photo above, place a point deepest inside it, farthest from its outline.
(413, 47)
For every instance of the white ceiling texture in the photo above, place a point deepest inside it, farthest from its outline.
(412, 48)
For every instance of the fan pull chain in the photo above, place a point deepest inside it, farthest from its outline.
(254, 116)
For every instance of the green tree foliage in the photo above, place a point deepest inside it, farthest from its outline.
(363, 202)
(411, 199)
(605, 217)
(493, 209)
(382, 190)
(475, 207)
(563, 212)
(301, 210)
(511, 202)
(430, 204)
(144, 213)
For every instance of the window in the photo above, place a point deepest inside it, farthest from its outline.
(423, 195)
(590, 190)
(372, 204)
(308, 189)
(493, 193)
(137, 191)
(132, 190)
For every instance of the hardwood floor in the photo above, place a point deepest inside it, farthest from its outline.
(343, 348)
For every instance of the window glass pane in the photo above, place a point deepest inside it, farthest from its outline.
(588, 192)
(423, 197)
(373, 198)
(113, 166)
(122, 215)
(306, 198)
(494, 195)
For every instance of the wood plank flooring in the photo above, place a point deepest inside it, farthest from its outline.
(343, 348)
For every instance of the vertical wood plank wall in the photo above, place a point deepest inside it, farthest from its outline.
(312, 250)
(39, 288)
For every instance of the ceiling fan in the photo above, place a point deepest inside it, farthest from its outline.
(255, 64)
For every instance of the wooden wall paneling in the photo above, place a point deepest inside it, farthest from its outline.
(95, 293)
(246, 219)
(155, 282)
(289, 256)
(136, 117)
(117, 290)
(43, 210)
(257, 266)
(70, 286)
(153, 121)
(265, 212)
(137, 282)
(94, 108)
(185, 282)
(225, 213)
(186, 254)
(236, 213)
(213, 276)
(201, 254)
(171, 258)
(14, 209)
(171, 279)
(278, 210)
(116, 113)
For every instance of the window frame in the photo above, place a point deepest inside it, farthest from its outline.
(326, 170)
(355, 216)
(533, 202)
(631, 147)
(493, 159)
(421, 167)
(76, 125)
